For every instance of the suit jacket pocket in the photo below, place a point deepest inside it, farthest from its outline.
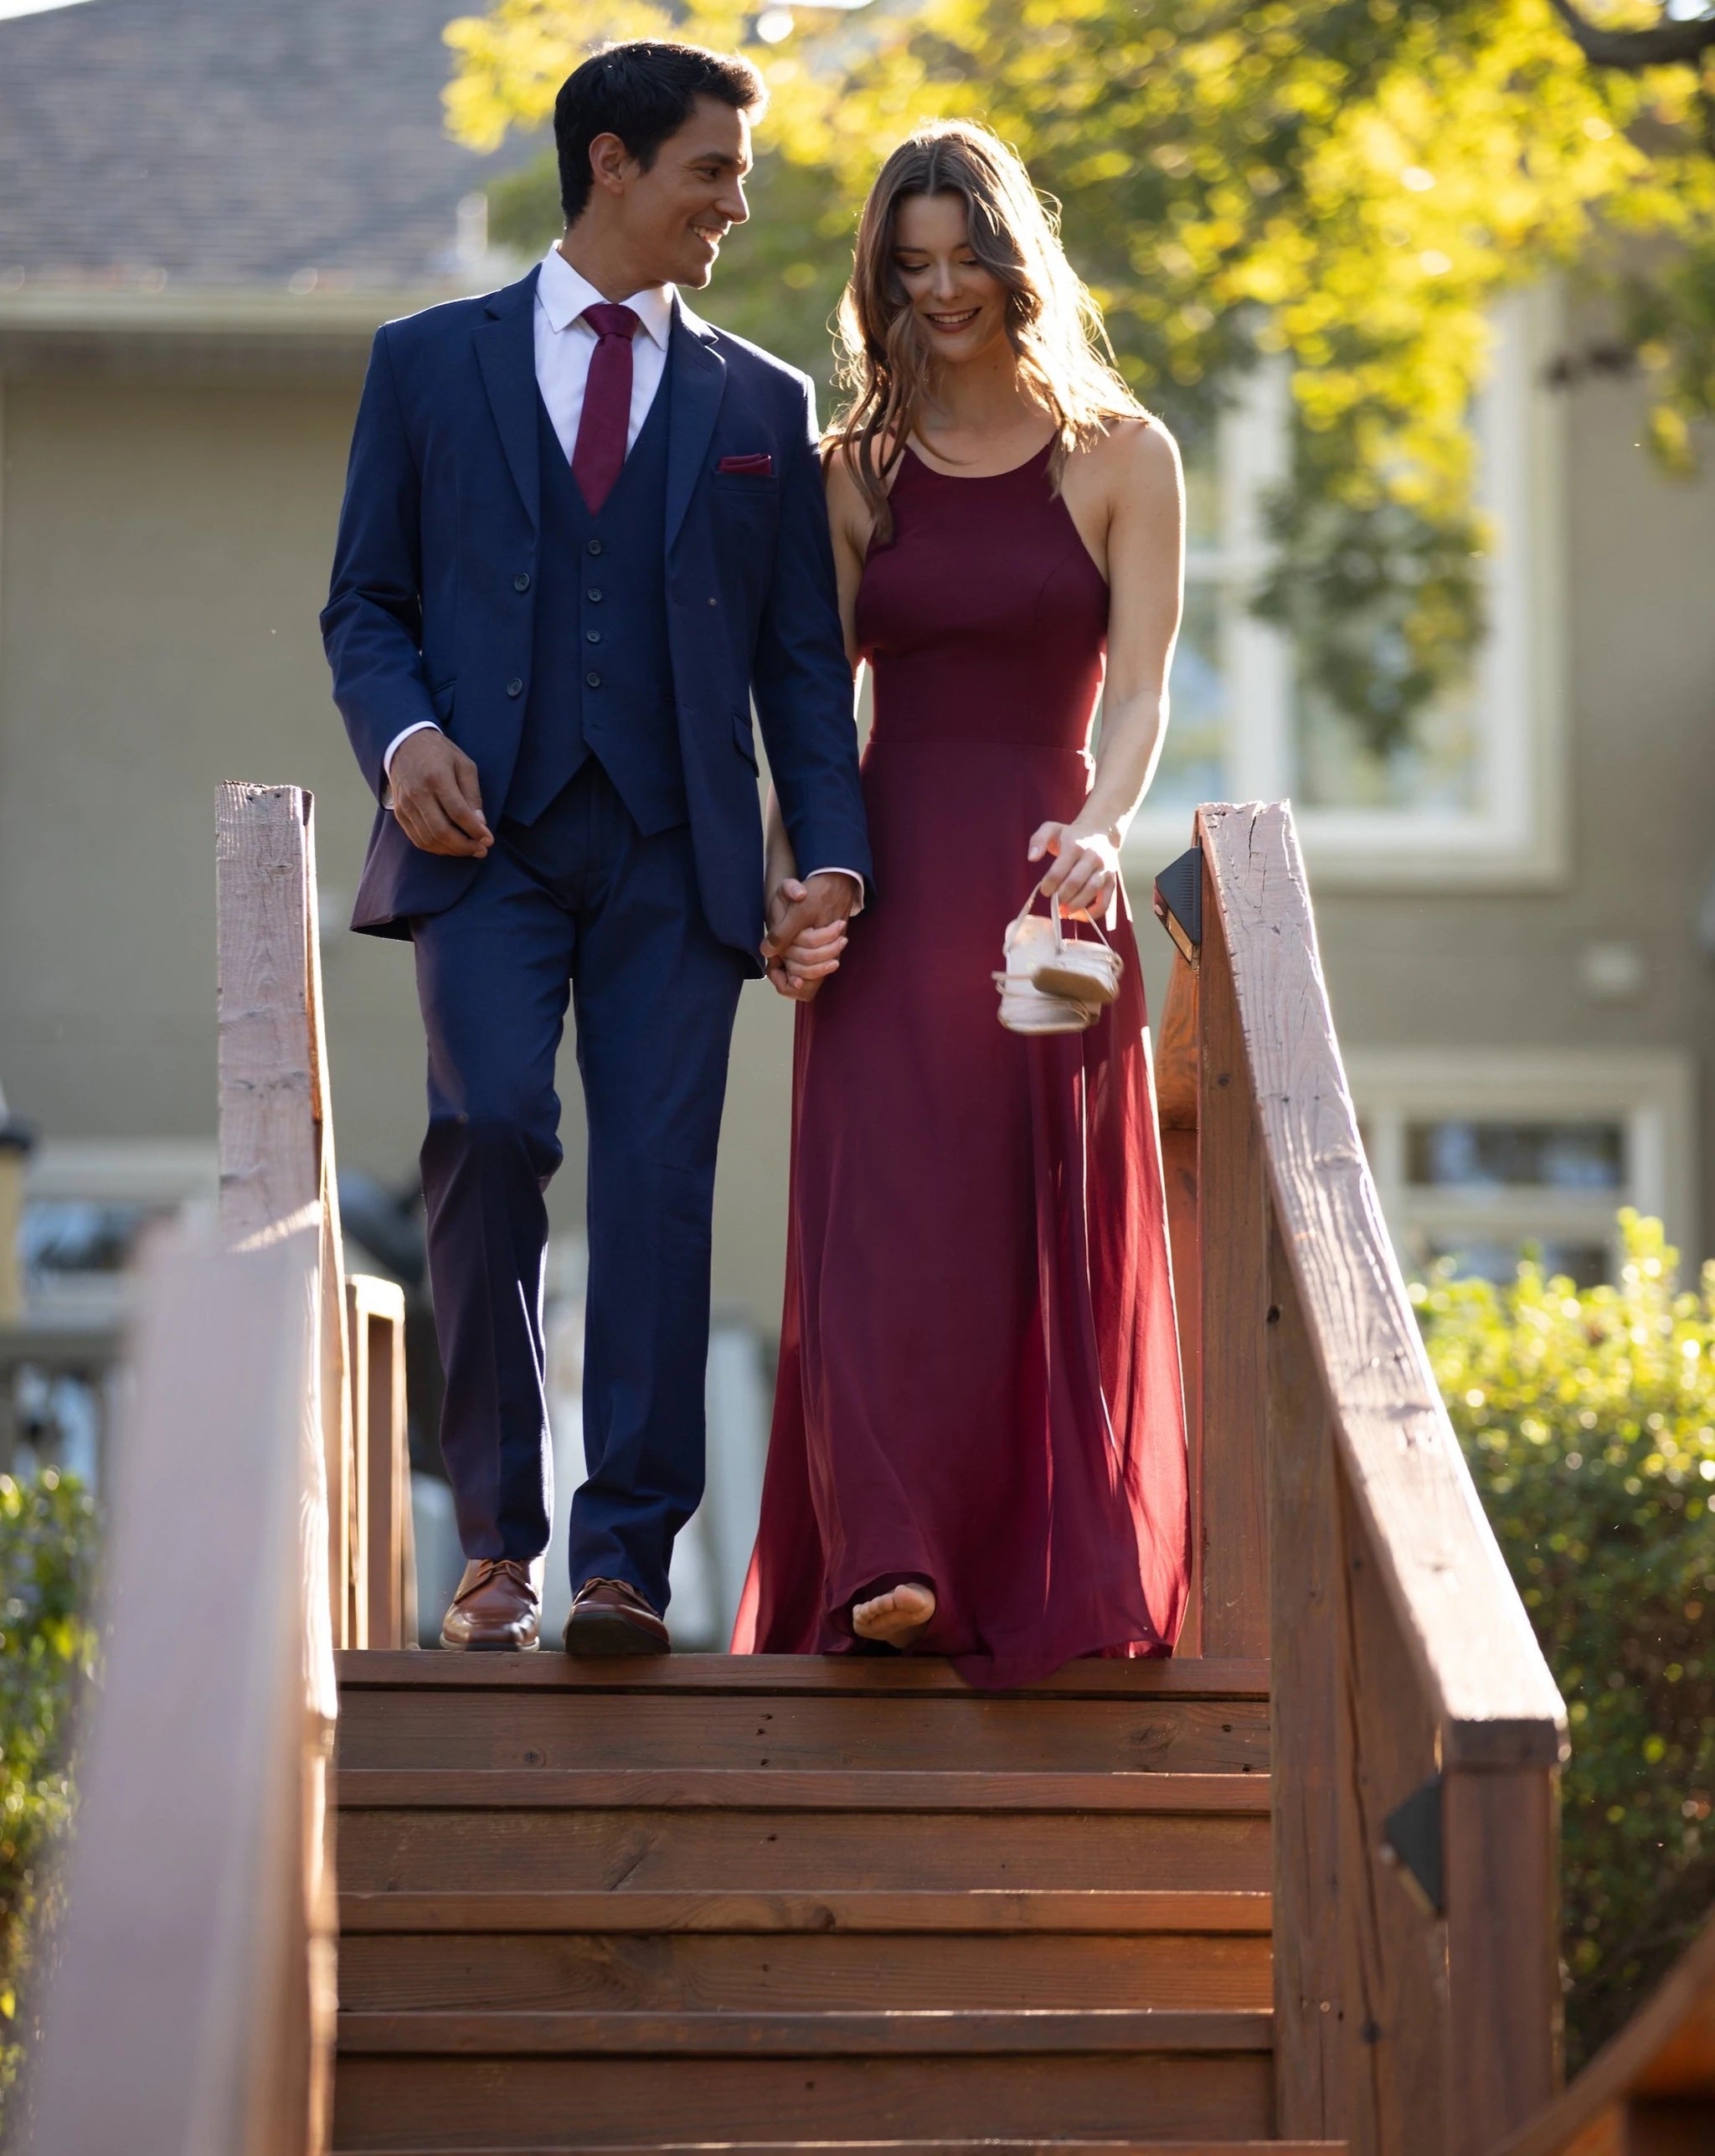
(440, 699)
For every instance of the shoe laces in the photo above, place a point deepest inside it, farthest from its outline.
(621, 1586)
(487, 1568)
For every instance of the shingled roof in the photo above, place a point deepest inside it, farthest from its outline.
(231, 143)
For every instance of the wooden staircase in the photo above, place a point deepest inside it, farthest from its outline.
(770, 1902)
(1296, 1889)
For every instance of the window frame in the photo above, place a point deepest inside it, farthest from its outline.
(1518, 839)
(1651, 1092)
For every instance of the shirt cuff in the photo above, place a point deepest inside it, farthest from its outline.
(391, 750)
(832, 870)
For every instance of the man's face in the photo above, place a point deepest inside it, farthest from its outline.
(674, 216)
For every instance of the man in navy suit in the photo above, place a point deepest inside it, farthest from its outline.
(583, 532)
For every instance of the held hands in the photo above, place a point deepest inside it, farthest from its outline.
(806, 932)
(437, 796)
(1086, 868)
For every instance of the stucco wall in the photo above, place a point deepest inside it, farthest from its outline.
(163, 555)
(163, 549)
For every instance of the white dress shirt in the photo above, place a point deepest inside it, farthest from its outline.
(566, 344)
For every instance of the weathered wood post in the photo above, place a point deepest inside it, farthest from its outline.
(376, 1326)
(277, 1130)
(1418, 1730)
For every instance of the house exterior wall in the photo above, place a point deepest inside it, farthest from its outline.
(163, 556)
(163, 549)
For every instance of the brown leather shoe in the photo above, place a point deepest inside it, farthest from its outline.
(495, 1610)
(611, 1617)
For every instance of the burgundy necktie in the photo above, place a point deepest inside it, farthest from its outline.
(599, 454)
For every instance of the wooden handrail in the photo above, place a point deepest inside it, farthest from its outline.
(1418, 1730)
(1651, 2091)
(1495, 1702)
(189, 2008)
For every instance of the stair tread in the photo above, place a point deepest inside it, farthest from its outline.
(793, 1789)
(805, 2036)
(913, 1675)
(983, 2147)
(997, 1910)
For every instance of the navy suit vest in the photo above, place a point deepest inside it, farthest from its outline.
(601, 679)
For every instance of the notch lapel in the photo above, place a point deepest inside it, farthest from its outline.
(506, 351)
(699, 380)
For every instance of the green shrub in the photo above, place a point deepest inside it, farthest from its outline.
(1589, 1419)
(47, 1646)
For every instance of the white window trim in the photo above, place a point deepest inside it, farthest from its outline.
(1520, 839)
(1652, 1091)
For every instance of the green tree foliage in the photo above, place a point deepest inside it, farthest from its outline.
(1347, 184)
(1589, 1419)
(47, 1649)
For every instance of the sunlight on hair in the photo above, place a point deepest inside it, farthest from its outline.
(1054, 323)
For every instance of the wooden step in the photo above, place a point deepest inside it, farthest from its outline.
(782, 1676)
(545, 1711)
(739, 1789)
(730, 1905)
(927, 2148)
(423, 1851)
(936, 2033)
(988, 1910)
(760, 1973)
(575, 2080)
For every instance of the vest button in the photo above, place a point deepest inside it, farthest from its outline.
(521, 582)
(595, 546)
(592, 636)
(515, 689)
(594, 594)
(593, 678)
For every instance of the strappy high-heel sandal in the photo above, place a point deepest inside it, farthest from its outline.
(1052, 982)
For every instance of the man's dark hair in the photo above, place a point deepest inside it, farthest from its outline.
(642, 92)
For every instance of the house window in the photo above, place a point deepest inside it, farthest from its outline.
(87, 1207)
(1474, 794)
(1481, 1155)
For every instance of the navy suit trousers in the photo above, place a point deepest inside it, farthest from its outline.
(579, 906)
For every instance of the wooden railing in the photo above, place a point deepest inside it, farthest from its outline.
(277, 1174)
(1417, 1732)
(189, 2012)
(1650, 2091)
(261, 1519)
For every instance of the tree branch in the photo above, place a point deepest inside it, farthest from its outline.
(1668, 45)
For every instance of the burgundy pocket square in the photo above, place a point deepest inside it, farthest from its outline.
(760, 465)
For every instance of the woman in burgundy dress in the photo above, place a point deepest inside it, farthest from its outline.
(978, 1446)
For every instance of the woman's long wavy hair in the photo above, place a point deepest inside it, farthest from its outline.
(1053, 324)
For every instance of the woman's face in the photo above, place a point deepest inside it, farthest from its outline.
(960, 307)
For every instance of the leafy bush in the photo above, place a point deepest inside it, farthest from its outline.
(1589, 1419)
(47, 1648)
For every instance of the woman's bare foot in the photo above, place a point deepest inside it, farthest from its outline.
(896, 1617)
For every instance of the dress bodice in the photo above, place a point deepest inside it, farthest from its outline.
(984, 617)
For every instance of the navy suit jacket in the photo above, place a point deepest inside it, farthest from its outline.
(430, 613)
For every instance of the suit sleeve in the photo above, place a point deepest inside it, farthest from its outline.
(800, 677)
(372, 626)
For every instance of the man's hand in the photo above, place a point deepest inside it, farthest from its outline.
(806, 932)
(437, 796)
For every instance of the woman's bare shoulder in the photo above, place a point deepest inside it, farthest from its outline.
(1137, 454)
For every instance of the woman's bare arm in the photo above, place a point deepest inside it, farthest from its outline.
(1144, 497)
